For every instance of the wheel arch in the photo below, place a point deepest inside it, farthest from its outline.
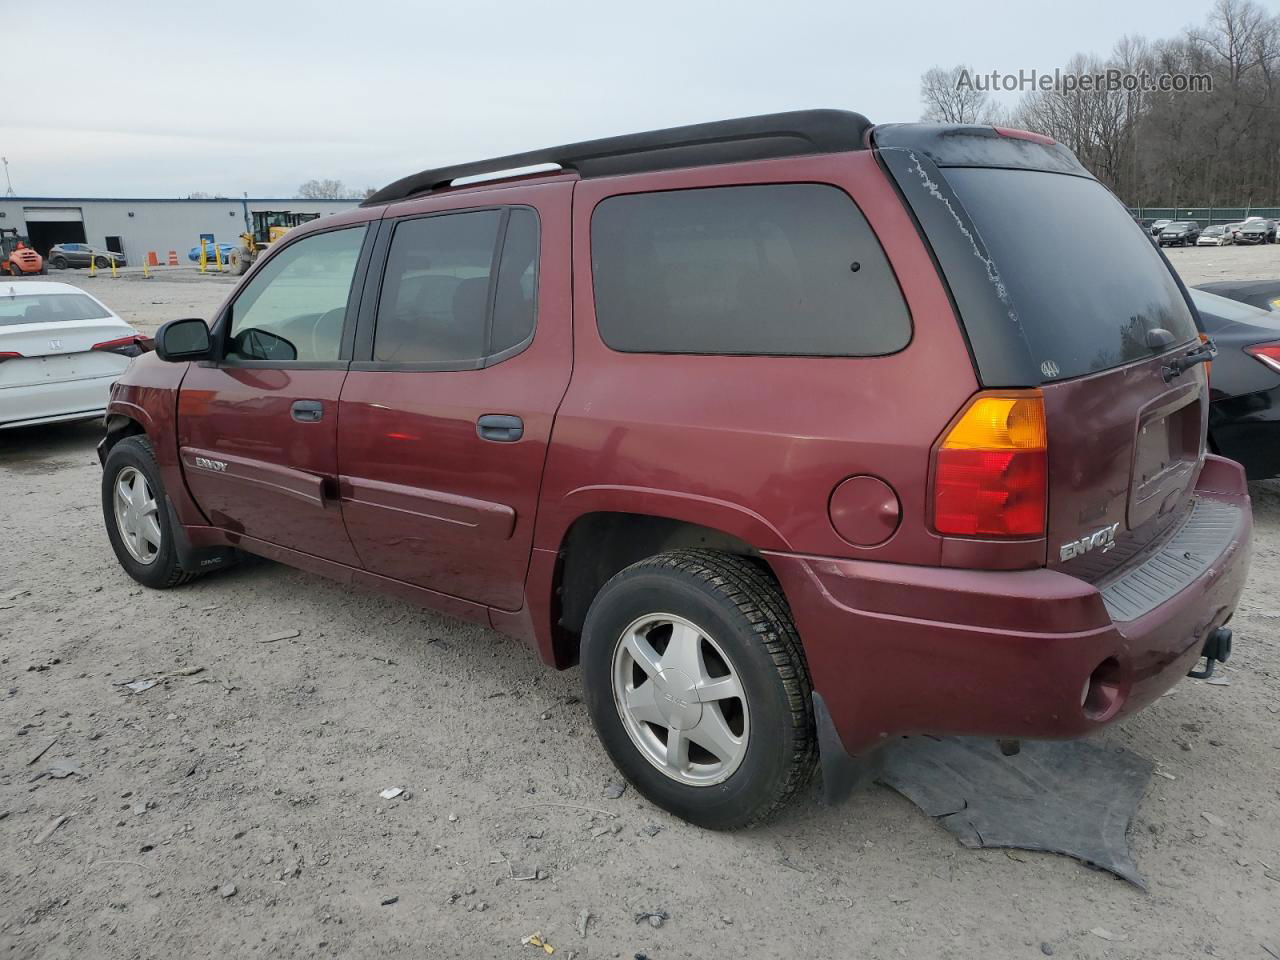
(118, 426)
(599, 544)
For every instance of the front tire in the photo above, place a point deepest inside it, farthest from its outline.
(136, 516)
(698, 688)
(101, 263)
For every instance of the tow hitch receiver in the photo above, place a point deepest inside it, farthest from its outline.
(1217, 649)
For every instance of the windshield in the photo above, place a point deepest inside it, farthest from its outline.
(1087, 292)
(48, 308)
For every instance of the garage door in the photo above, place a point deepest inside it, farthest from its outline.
(51, 214)
(49, 225)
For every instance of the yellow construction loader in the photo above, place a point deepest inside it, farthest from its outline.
(261, 229)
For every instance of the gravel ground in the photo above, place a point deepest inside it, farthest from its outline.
(235, 811)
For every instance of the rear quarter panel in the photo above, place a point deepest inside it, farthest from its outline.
(754, 446)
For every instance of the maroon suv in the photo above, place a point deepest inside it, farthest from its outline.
(798, 433)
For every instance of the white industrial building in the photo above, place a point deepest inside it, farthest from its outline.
(135, 227)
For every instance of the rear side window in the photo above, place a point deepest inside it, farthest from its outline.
(776, 270)
(1085, 281)
(48, 308)
(458, 288)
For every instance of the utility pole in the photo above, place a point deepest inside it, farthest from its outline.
(8, 183)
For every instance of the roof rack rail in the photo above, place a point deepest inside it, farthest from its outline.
(790, 134)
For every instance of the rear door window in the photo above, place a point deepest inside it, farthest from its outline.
(1085, 282)
(774, 269)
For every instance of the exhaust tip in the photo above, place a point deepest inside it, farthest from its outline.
(1101, 697)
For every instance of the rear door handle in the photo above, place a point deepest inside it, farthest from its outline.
(500, 428)
(307, 411)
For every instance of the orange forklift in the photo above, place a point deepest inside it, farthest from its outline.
(16, 258)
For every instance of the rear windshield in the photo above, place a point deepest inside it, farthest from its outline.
(48, 308)
(1084, 280)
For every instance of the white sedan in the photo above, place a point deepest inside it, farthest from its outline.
(60, 351)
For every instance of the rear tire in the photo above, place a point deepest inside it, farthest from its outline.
(13, 270)
(135, 522)
(728, 692)
(59, 263)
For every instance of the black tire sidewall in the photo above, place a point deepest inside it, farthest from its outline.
(164, 569)
(59, 263)
(752, 789)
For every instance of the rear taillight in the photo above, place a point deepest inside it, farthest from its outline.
(9, 356)
(1268, 353)
(990, 473)
(125, 346)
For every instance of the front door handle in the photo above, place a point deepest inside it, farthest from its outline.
(500, 428)
(307, 411)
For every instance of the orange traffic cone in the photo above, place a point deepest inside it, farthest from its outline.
(173, 258)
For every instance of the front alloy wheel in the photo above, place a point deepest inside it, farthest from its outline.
(137, 516)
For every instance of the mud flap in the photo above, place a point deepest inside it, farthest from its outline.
(196, 559)
(842, 774)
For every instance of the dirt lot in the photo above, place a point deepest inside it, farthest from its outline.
(235, 812)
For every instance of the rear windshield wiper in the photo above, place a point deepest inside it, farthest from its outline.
(1180, 365)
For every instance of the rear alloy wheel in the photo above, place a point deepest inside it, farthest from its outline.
(698, 688)
(683, 708)
(59, 263)
(137, 517)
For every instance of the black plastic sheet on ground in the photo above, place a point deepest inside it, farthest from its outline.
(1071, 797)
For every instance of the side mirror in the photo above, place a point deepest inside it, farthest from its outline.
(180, 340)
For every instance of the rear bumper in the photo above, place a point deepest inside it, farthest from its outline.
(58, 400)
(897, 650)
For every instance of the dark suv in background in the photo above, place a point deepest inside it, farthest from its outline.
(1180, 233)
(797, 433)
(63, 255)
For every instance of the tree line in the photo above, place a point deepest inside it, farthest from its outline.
(1219, 147)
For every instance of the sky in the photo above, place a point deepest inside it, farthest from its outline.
(121, 98)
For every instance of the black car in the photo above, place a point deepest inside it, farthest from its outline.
(1263, 294)
(1244, 385)
(1256, 231)
(1180, 233)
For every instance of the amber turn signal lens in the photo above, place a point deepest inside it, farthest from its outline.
(991, 469)
(1000, 423)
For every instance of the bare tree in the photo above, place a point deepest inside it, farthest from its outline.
(325, 190)
(951, 96)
